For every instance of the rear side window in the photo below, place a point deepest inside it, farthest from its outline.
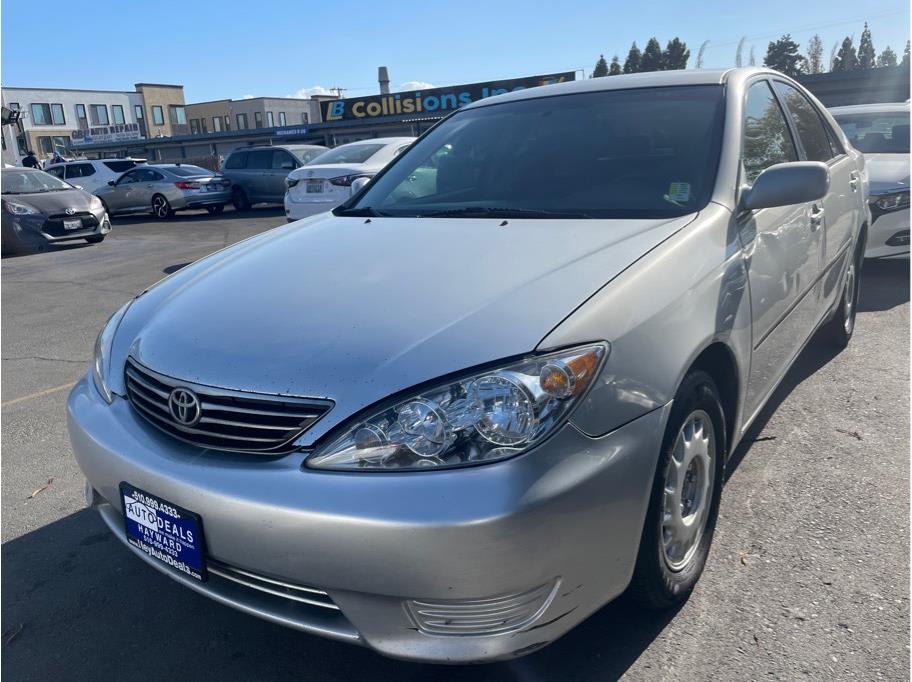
(120, 166)
(236, 160)
(807, 122)
(190, 171)
(79, 170)
(148, 175)
(260, 159)
(56, 172)
(767, 140)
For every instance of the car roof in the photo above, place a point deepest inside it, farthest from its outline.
(255, 147)
(378, 140)
(877, 108)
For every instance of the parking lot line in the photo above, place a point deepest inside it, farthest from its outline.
(38, 394)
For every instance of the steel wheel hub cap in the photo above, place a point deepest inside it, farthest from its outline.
(688, 490)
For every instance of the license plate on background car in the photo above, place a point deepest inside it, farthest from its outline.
(314, 186)
(72, 224)
(164, 531)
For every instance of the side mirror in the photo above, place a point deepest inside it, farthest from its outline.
(111, 183)
(358, 184)
(78, 186)
(785, 184)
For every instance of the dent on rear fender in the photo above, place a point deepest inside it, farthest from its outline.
(658, 316)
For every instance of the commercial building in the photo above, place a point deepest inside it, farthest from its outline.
(66, 120)
(252, 113)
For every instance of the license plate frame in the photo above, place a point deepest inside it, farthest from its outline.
(314, 187)
(178, 541)
(72, 223)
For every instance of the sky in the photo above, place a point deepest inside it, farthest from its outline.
(293, 48)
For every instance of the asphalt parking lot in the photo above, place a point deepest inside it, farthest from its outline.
(808, 576)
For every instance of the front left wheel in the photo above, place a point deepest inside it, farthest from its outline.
(684, 502)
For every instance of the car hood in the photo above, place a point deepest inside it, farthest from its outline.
(354, 310)
(887, 172)
(51, 203)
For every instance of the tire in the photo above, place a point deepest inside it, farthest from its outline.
(672, 551)
(161, 209)
(240, 200)
(215, 210)
(95, 239)
(838, 331)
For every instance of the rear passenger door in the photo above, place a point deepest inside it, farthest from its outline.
(838, 210)
(149, 185)
(782, 247)
(258, 174)
(274, 184)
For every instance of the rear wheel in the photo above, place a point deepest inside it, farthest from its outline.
(685, 497)
(240, 200)
(839, 329)
(215, 210)
(161, 208)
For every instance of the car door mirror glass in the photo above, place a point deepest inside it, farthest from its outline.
(785, 184)
(358, 184)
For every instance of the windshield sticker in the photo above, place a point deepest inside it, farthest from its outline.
(678, 192)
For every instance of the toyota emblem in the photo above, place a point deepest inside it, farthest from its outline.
(70, 211)
(184, 407)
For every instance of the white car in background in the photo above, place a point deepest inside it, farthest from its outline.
(92, 174)
(326, 182)
(881, 133)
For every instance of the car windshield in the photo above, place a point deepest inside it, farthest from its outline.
(640, 153)
(356, 153)
(877, 133)
(31, 182)
(189, 171)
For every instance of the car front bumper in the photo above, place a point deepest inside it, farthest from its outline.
(565, 519)
(889, 235)
(42, 229)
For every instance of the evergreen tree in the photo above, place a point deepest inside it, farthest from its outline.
(886, 58)
(652, 57)
(634, 59)
(846, 58)
(676, 55)
(815, 55)
(615, 68)
(905, 59)
(866, 54)
(601, 68)
(783, 55)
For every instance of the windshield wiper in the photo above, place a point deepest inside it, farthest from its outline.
(490, 212)
(365, 212)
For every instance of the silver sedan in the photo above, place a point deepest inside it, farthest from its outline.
(451, 423)
(162, 189)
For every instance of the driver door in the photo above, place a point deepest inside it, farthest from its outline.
(121, 195)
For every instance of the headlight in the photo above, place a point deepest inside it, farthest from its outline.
(20, 209)
(481, 418)
(103, 353)
(95, 202)
(891, 202)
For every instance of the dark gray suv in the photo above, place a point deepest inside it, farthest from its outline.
(258, 174)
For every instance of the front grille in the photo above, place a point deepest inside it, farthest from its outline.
(299, 593)
(227, 420)
(54, 224)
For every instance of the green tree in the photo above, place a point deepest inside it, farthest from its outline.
(783, 55)
(652, 56)
(615, 68)
(815, 55)
(846, 58)
(601, 68)
(867, 57)
(905, 59)
(676, 55)
(634, 58)
(886, 58)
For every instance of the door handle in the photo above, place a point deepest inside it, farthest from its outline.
(853, 182)
(816, 216)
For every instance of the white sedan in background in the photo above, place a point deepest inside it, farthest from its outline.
(326, 182)
(881, 133)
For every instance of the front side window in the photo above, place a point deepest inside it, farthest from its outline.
(807, 122)
(41, 114)
(99, 114)
(117, 113)
(282, 159)
(236, 160)
(128, 178)
(260, 159)
(767, 140)
(639, 153)
(158, 116)
(81, 118)
(877, 133)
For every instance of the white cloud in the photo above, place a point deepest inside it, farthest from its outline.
(305, 93)
(246, 96)
(415, 85)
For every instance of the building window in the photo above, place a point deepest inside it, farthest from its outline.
(177, 114)
(216, 124)
(137, 110)
(281, 118)
(41, 114)
(45, 145)
(99, 114)
(242, 121)
(117, 114)
(194, 126)
(203, 128)
(82, 120)
(14, 106)
(304, 117)
(227, 122)
(61, 145)
(270, 123)
(158, 116)
(257, 119)
(57, 115)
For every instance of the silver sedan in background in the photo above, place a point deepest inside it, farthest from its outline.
(162, 189)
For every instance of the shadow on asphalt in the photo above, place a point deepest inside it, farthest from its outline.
(199, 216)
(884, 285)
